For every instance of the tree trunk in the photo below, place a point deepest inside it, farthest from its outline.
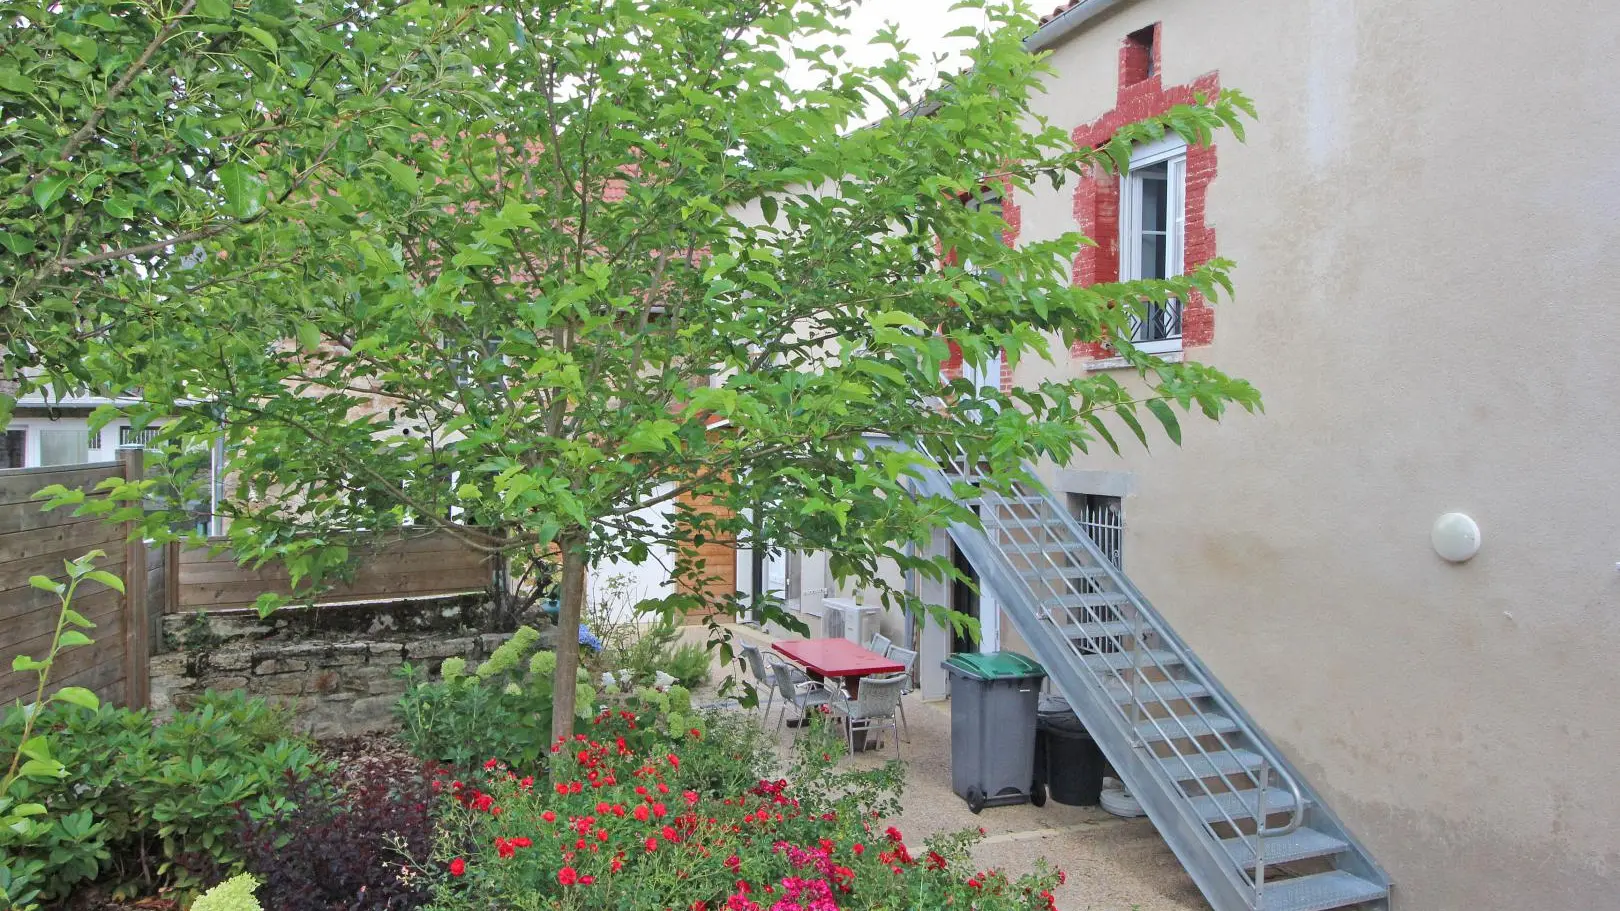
(572, 605)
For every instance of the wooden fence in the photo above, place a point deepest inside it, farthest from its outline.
(166, 580)
(429, 564)
(36, 543)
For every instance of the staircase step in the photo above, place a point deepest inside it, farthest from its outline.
(999, 500)
(1240, 804)
(1185, 726)
(1088, 599)
(1215, 765)
(1300, 844)
(1320, 892)
(1157, 690)
(1037, 547)
(1121, 661)
(1111, 629)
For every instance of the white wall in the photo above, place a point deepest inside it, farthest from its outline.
(621, 584)
(1424, 221)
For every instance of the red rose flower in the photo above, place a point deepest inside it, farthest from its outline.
(458, 867)
(568, 876)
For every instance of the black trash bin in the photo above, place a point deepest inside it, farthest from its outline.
(1067, 761)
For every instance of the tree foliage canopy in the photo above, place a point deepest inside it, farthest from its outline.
(523, 272)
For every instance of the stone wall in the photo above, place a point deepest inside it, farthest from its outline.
(339, 666)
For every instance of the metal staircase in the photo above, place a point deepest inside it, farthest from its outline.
(1245, 825)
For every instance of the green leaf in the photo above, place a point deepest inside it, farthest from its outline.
(267, 604)
(71, 638)
(49, 190)
(244, 190)
(78, 45)
(36, 747)
(118, 208)
(214, 9)
(1129, 417)
(767, 207)
(78, 695)
(1167, 417)
(28, 809)
(107, 579)
(1102, 431)
(42, 768)
(261, 36)
(403, 175)
(25, 663)
(13, 81)
(77, 619)
(45, 583)
(16, 243)
(309, 337)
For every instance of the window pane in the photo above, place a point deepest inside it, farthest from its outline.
(63, 447)
(1153, 256)
(1155, 196)
(11, 448)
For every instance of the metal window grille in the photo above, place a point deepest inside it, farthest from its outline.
(95, 439)
(1103, 520)
(129, 436)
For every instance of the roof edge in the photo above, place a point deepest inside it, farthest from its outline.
(1057, 26)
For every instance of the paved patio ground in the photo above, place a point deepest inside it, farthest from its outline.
(1112, 864)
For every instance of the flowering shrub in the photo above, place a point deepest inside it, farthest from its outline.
(628, 829)
(503, 708)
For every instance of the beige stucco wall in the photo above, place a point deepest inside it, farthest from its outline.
(1426, 220)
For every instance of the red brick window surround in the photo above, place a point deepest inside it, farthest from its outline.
(1141, 93)
(1014, 217)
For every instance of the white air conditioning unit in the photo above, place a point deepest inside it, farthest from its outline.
(847, 620)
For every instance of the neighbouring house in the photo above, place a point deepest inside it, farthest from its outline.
(1424, 224)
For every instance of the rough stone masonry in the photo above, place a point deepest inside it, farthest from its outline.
(339, 667)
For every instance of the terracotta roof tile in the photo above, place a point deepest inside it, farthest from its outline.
(1060, 10)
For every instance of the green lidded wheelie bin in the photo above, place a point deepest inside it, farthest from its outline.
(993, 702)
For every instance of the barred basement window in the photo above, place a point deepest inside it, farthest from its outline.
(1152, 229)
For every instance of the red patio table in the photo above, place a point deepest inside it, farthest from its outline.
(839, 658)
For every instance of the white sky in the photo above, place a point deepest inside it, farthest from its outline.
(923, 22)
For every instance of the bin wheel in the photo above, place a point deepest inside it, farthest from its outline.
(1037, 794)
(975, 800)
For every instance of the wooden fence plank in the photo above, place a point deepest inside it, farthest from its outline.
(18, 597)
(276, 573)
(18, 485)
(42, 619)
(437, 542)
(24, 516)
(34, 542)
(217, 597)
(137, 644)
(80, 536)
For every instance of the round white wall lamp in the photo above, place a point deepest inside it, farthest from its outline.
(1455, 537)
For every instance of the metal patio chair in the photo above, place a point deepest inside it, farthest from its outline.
(873, 709)
(908, 658)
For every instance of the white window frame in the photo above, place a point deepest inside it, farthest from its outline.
(1172, 149)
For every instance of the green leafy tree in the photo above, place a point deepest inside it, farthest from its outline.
(137, 135)
(641, 266)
